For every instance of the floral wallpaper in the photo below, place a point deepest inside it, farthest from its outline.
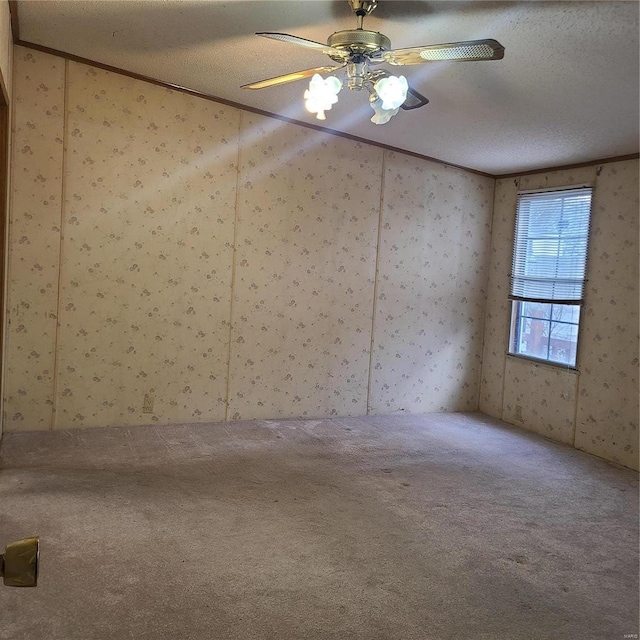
(496, 322)
(230, 266)
(224, 264)
(607, 411)
(541, 398)
(6, 77)
(305, 268)
(34, 240)
(430, 297)
(596, 408)
(145, 279)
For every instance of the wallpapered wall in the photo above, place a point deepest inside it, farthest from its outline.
(429, 313)
(6, 71)
(595, 409)
(229, 265)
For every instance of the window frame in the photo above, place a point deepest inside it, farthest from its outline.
(516, 304)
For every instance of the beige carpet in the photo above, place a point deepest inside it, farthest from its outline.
(427, 527)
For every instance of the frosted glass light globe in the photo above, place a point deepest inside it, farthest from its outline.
(392, 91)
(321, 95)
(381, 115)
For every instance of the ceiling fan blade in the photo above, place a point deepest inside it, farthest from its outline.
(290, 77)
(462, 51)
(414, 100)
(303, 42)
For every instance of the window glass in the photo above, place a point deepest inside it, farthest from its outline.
(548, 273)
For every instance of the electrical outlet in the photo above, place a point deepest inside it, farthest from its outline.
(147, 404)
(518, 413)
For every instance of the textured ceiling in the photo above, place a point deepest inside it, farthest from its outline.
(566, 92)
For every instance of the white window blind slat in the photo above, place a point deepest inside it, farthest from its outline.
(550, 248)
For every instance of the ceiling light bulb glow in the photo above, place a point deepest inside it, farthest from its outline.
(392, 91)
(321, 95)
(380, 115)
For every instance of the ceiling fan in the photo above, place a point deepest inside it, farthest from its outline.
(360, 51)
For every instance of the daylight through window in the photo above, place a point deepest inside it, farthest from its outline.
(548, 273)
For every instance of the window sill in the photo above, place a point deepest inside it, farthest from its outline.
(544, 363)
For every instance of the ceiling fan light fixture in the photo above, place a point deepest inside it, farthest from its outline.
(392, 91)
(321, 95)
(360, 50)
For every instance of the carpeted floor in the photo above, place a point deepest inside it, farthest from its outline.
(443, 527)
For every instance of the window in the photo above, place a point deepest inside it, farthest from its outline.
(548, 273)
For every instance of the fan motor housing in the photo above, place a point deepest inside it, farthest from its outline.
(359, 41)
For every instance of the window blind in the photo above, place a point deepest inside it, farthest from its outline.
(550, 247)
